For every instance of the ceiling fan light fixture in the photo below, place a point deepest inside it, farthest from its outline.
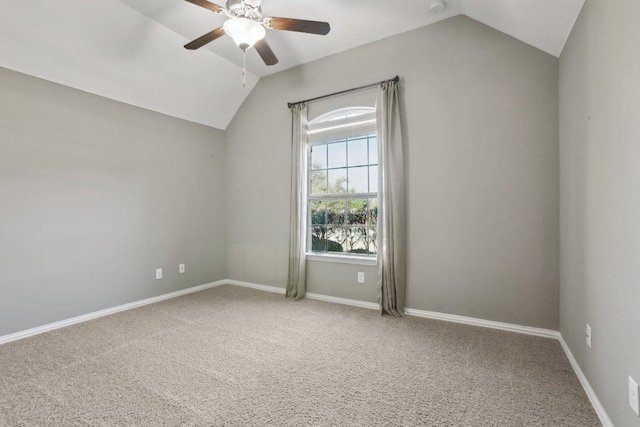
(244, 32)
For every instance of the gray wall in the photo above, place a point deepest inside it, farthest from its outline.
(600, 199)
(481, 127)
(94, 196)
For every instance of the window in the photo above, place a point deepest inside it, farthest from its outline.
(342, 187)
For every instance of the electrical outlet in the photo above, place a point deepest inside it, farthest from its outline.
(589, 335)
(361, 277)
(181, 268)
(158, 273)
(634, 401)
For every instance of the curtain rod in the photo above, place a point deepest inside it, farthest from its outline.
(396, 79)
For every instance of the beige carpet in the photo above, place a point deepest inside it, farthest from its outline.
(231, 356)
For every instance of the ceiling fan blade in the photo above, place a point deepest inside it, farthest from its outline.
(207, 38)
(266, 53)
(206, 4)
(300, 25)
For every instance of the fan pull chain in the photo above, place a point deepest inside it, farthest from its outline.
(244, 69)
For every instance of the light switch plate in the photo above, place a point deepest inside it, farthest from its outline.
(634, 401)
(181, 268)
(589, 336)
(158, 273)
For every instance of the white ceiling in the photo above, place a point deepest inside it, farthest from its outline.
(131, 50)
(544, 24)
(353, 23)
(106, 48)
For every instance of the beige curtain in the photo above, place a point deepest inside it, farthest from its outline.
(298, 230)
(391, 215)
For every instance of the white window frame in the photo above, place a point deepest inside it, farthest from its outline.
(339, 124)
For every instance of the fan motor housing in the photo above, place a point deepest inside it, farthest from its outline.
(239, 9)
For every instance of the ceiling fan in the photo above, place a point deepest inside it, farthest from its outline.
(247, 27)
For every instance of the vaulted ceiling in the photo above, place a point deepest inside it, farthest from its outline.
(131, 50)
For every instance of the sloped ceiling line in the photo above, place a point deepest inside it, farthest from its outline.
(131, 50)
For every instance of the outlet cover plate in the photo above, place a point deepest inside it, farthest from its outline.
(361, 277)
(158, 273)
(181, 268)
(589, 336)
(634, 399)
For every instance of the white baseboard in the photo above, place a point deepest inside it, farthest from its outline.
(529, 330)
(595, 402)
(89, 316)
(319, 297)
(344, 301)
(265, 288)
(547, 333)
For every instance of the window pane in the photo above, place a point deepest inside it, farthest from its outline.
(337, 154)
(337, 181)
(358, 180)
(357, 213)
(335, 239)
(357, 152)
(318, 212)
(318, 183)
(373, 212)
(336, 210)
(373, 150)
(373, 179)
(339, 169)
(357, 240)
(372, 240)
(319, 157)
(318, 239)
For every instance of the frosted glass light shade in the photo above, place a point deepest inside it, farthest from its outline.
(244, 32)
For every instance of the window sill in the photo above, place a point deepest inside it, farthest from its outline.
(343, 259)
